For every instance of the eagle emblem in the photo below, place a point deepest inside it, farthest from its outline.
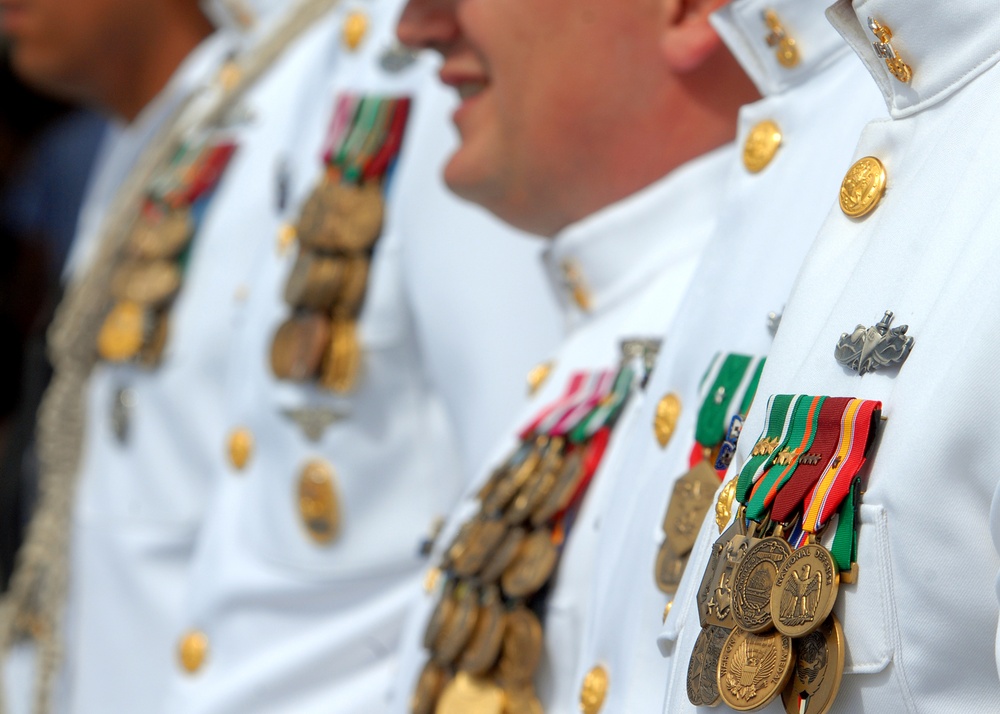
(868, 348)
(800, 597)
(749, 670)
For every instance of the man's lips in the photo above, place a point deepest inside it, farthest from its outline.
(468, 84)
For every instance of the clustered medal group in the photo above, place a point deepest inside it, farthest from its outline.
(766, 599)
(151, 269)
(337, 231)
(727, 390)
(485, 635)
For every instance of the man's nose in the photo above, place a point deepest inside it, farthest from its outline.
(428, 24)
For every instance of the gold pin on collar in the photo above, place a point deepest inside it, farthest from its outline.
(355, 29)
(884, 50)
(785, 48)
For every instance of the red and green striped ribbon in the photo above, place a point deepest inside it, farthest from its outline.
(775, 426)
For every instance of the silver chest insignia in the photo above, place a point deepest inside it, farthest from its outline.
(868, 348)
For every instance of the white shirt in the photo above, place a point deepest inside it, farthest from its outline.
(292, 625)
(921, 620)
(635, 259)
(765, 228)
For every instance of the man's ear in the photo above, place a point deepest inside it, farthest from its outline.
(688, 39)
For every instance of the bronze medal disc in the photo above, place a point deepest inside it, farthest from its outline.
(533, 493)
(521, 700)
(532, 566)
(571, 473)
(483, 540)
(507, 488)
(458, 629)
(429, 687)
(354, 219)
(466, 694)
(312, 217)
(122, 332)
(504, 554)
(715, 593)
(342, 363)
(703, 668)
(753, 580)
(352, 286)
(156, 342)
(443, 611)
(819, 669)
(804, 591)
(298, 347)
(754, 669)
(692, 497)
(484, 645)
(151, 284)
(314, 281)
(522, 647)
(669, 568)
(162, 238)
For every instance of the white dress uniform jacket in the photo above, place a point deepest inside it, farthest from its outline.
(118, 590)
(635, 259)
(920, 622)
(293, 625)
(765, 226)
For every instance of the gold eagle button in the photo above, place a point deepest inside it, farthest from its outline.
(319, 505)
(668, 411)
(193, 651)
(240, 448)
(863, 187)
(594, 690)
(761, 145)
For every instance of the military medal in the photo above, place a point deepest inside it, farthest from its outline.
(819, 669)
(754, 669)
(484, 629)
(337, 230)
(466, 694)
(150, 272)
(429, 688)
(319, 505)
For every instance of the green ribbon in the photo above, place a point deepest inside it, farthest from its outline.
(774, 427)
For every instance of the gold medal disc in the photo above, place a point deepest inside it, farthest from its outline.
(353, 286)
(805, 590)
(319, 506)
(122, 333)
(164, 238)
(669, 569)
(458, 629)
(354, 220)
(692, 497)
(521, 700)
(754, 669)
(443, 611)
(502, 557)
(342, 366)
(703, 668)
(532, 566)
(298, 347)
(753, 581)
(483, 648)
(151, 284)
(466, 694)
(429, 687)
(724, 506)
(486, 535)
(314, 281)
(567, 483)
(522, 647)
(819, 669)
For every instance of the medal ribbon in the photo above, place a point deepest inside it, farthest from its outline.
(385, 158)
(812, 464)
(601, 382)
(856, 435)
(845, 543)
(577, 382)
(716, 400)
(800, 438)
(775, 428)
(608, 409)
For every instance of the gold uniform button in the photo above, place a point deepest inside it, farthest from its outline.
(785, 48)
(240, 448)
(193, 651)
(355, 29)
(668, 411)
(538, 375)
(594, 690)
(666, 611)
(761, 145)
(863, 187)
(319, 505)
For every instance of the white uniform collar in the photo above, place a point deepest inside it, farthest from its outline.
(612, 253)
(947, 44)
(742, 27)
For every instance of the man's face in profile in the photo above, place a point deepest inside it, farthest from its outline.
(538, 80)
(54, 43)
